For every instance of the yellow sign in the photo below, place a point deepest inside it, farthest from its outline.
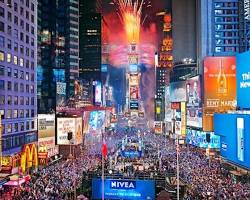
(29, 157)
(183, 119)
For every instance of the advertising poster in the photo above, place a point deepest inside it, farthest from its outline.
(60, 94)
(158, 127)
(133, 59)
(66, 125)
(124, 189)
(243, 80)
(183, 119)
(168, 110)
(178, 91)
(219, 88)
(98, 93)
(134, 92)
(46, 132)
(194, 102)
(240, 139)
(198, 139)
(133, 79)
(133, 68)
(134, 105)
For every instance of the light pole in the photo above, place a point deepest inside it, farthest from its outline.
(177, 167)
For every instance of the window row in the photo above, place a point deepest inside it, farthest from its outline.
(13, 114)
(16, 73)
(16, 100)
(14, 59)
(10, 86)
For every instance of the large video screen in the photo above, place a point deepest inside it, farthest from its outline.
(198, 139)
(178, 91)
(124, 189)
(96, 121)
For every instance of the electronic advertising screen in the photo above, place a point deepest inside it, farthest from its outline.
(198, 139)
(219, 88)
(134, 105)
(131, 154)
(194, 103)
(133, 68)
(243, 79)
(234, 131)
(178, 91)
(124, 189)
(133, 79)
(98, 93)
(134, 92)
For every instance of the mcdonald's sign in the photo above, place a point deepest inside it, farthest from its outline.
(29, 157)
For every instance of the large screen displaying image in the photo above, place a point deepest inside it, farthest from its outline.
(178, 91)
(124, 189)
(98, 93)
(198, 139)
(194, 103)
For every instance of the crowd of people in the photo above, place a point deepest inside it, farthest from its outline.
(205, 179)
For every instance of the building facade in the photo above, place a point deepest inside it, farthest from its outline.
(244, 25)
(58, 58)
(18, 64)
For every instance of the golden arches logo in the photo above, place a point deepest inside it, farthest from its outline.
(29, 157)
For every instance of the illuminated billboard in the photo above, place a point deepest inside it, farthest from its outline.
(66, 125)
(168, 110)
(46, 132)
(96, 121)
(134, 105)
(194, 102)
(178, 91)
(158, 127)
(98, 93)
(124, 189)
(219, 88)
(198, 139)
(243, 80)
(133, 68)
(134, 92)
(183, 119)
(233, 130)
(133, 59)
(133, 79)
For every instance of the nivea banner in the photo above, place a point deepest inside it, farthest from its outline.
(124, 189)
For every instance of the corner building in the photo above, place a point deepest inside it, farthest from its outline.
(18, 62)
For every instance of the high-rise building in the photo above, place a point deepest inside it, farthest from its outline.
(18, 64)
(58, 59)
(90, 42)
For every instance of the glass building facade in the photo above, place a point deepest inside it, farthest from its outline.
(58, 58)
(18, 64)
(225, 19)
(244, 25)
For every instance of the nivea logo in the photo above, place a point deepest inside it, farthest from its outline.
(224, 146)
(119, 184)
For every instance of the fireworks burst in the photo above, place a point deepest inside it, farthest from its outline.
(129, 12)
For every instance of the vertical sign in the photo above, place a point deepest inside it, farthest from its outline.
(240, 139)
(183, 119)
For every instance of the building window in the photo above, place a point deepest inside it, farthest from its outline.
(2, 113)
(32, 89)
(32, 54)
(16, 100)
(21, 36)
(32, 113)
(22, 126)
(8, 114)
(27, 76)
(32, 101)
(9, 44)
(16, 127)
(32, 19)
(21, 113)
(16, 46)
(9, 128)
(15, 113)
(15, 7)
(27, 113)
(21, 11)
(9, 86)
(16, 34)
(27, 90)
(9, 100)
(32, 65)
(1, 12)
(1, 56)
(27, 39)
(32, 42)
(21, 87)
(8, 57)
(27, 14)
(16, 87)
(9, 30)
(21, 49)
(22, 24)
(27, 101)
(27, 64)
(1, 42)
(27, 125)
(32, 30)
(21, 75)
(27, 27)
(15, 60)
(21, 62)
(1, 84)
(9, 16)
(1, 26)
(32, 125)
(27, 51)
(21, 100)
(2, 99)
(32, 77)
(16, 20)
(15, 73)
(2, 71)
(32, 7)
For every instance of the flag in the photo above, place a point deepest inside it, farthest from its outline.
(104, 148)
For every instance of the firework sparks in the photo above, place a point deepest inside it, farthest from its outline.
(130, 15)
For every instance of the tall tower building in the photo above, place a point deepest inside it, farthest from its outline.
(244, 25)
(90, 41)
(18, 65)
(58, 60)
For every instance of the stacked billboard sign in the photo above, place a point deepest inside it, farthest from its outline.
(233, 130)
(243, 80)
(134, 91)
(46, 133)
(219, 88)
(194, 102)
(124, 189)
(67, 125)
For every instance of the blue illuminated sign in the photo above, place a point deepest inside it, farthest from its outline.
(124, 189)
(131, 154)
(133, 68)
(243, 79)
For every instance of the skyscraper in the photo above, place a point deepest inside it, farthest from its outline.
(244, 25)
(90, 41)
(58, 67)
(18, 64)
